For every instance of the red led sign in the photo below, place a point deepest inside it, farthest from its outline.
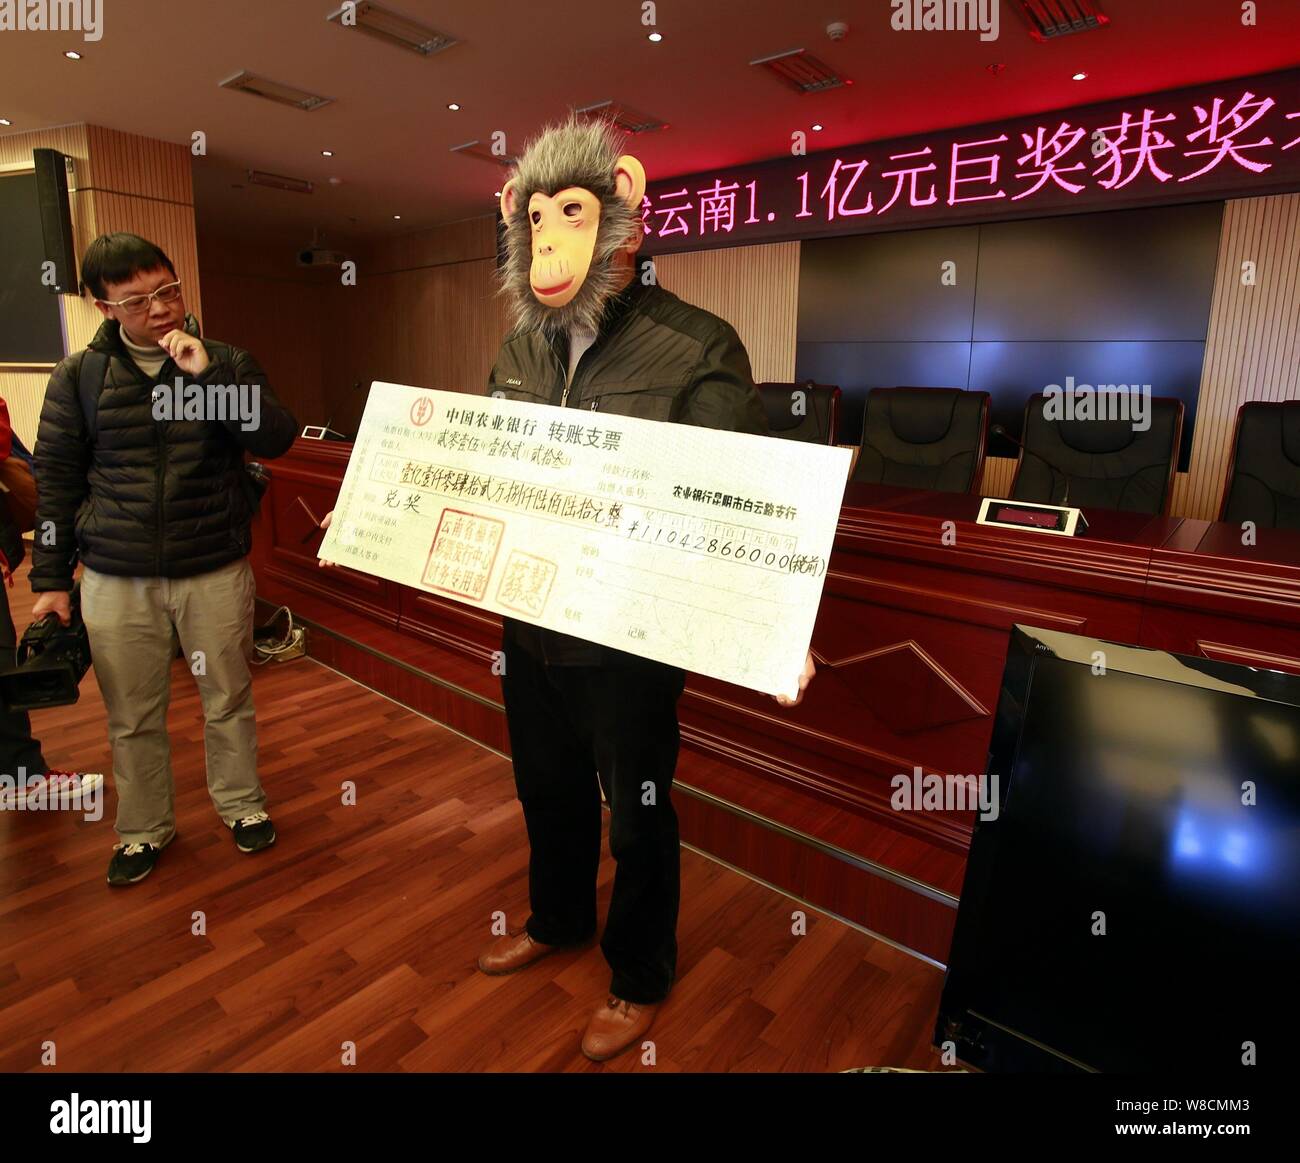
(1228, 140)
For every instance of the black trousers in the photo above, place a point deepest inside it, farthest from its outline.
(17, 747)
(570, 726)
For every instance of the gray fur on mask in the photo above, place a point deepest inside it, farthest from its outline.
(576, 153)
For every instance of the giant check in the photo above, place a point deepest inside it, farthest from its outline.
(706, 550)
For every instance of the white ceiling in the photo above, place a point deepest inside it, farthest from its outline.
(523, 62)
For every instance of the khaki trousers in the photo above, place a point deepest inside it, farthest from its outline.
(134, 624)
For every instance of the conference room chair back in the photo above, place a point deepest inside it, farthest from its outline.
(807, 411)
(1263, 482)
(927, 438)
(1109, 464)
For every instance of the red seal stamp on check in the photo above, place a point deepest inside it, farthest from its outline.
(421, 411)
(526, 583)
(463, 552)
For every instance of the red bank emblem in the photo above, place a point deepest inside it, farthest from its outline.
(421, 411)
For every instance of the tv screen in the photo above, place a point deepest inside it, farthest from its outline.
(1134, 903)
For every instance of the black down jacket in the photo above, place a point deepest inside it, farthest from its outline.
(146, 497)
(656, 358)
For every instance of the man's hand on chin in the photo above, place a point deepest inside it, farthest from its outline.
(804, 679)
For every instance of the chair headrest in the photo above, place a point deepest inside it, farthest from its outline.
(921, 415)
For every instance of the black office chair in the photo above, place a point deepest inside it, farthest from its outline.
(927, 438)
(1263, 483)
(1106, 464)
(812, 418)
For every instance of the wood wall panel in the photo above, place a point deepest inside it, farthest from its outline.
(279, 322)
(998, 471)
(81, 318)
(1252, 351)
(16, 148)
(437, 327)
(169, 224)
(125, 163)
(424, 311)
(456, 242)
(754, 288)
(258, 298)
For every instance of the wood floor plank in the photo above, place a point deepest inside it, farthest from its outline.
(362, 924)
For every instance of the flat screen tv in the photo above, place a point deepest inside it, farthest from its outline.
(1133, 905)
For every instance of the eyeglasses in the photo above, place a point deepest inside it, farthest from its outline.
(138, 304)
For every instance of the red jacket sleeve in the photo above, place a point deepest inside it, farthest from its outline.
(6, 431)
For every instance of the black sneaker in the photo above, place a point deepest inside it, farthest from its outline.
(133, 862)
(253, 833)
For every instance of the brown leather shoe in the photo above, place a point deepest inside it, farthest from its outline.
(614, 1027)
(511, 952)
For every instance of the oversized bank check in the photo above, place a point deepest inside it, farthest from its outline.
(706, 550)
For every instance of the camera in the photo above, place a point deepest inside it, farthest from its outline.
(49, 662)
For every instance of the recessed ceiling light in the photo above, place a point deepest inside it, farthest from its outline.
(453, 107)
(327, 153)
(496, 193)
(817, 129)
(336, 181)
(656, 37)
(72, 56)
(397, 217)
(5, 121)
(1079, 77)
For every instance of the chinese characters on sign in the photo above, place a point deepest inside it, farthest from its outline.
(593, 532)
(1234, 138)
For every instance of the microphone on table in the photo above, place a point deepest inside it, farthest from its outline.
(998, 430)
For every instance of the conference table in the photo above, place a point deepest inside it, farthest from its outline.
(909, 644)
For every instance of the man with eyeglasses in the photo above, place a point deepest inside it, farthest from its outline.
(156, 506)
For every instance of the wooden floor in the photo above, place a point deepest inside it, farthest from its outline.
(362, 923)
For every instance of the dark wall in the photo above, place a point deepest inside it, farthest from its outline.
(1114, 298)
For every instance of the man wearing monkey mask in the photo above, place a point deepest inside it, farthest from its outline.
(583, 718)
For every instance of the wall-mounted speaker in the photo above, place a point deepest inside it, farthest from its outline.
(56, 219)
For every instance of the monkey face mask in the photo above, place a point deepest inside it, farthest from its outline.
(571, 208)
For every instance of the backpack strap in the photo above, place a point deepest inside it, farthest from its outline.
(90, 382)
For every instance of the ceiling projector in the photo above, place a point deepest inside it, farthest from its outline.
(318, 256)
